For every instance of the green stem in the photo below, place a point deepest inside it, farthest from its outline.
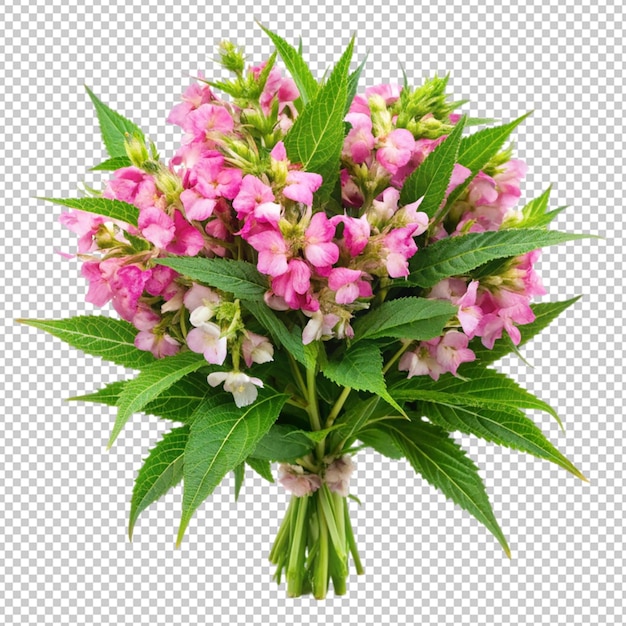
(295, 568)
(313, 410)
(295, 368)
(396, 356)
(331, 523)
(320, 578)
(351, 542)
(332, 416)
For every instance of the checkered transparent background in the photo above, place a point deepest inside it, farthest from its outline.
(64, 499)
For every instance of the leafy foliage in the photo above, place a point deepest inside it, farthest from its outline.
(150, 383)
(444, 464)
(115, 209)
(535, 214)
(283, 442)
(456, 256)
(114, 127)
(111, 165)
(162, 470)
(111, 339)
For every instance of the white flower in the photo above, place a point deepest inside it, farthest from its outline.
(201, 315)
(242, 386)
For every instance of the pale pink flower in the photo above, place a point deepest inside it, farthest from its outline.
(242, 386)
(396, 150)
(482, 190)
(206, 120)
(301, 186)
(389, 93)
(320, 326)
(337, 475)
(469, 314)
(268, 213)
(206, 339)
(359, 142)
(460, 174)
(273, 252)
(348, 285)
(319, 248)
(452, 350)
(85, 225)
(385, 206)
(160, 344)
(199, 295)
(145, 318)
(256, 349)
(420, 362)
(294, 480)
(194, 96)
(279, 153)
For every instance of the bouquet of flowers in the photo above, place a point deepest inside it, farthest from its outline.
(314, 271)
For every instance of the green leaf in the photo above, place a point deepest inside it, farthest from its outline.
(108, 395)
(475, 152)
(505, 426)
(115, 209)
(353, 420)
(114, 127)
(181, 399)
(240, 475)
(150, 383)
(262, 468)
(284, 443)
(361, 368)
(112, 164)
(296, 66)
(456, 256)
(405, 318)
(111, 339)
(316, 138)
(479, 387)
(379, 440)
(237, 277)
(430, 180)
(353, 84)
(445, 465)
(545, 312)
(221, 438)
(535, 214)
(162, 470)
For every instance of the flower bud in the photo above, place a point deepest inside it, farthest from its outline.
(136, 150)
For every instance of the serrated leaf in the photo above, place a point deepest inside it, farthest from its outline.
(111, 339)
(162, 470)
(476, 150)
(456, 256)
(283, 442)
(361, 368)
(353, 420)
(535, 214)
(445, 465)
(262, 468)
(108, 395)
(240, 474)
(150, 383)
(353, 84)
(316, 138)
(479, 387)
(181, 399)
(112, 164)
(237, 277)
(545, 312)
(220, 438)
(504, 426)
(115, 209)
(404, 318)
(380, 441)
(114, 127)
(296, 66)
(430, 180)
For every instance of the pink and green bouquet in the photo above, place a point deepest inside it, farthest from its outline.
(316, 270)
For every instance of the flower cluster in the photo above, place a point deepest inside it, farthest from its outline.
(231, 191)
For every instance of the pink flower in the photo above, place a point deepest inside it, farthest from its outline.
(206, 339)
(127, 285)
(348, 285)
(214, 181)
(337, 475)
(359, 142)
(301, 186)
(187, 240)
(208, 119)
(256, 349)
(251, 193)
(160, 279)
(156, 226)
(319, 248)
(199, 295)
(396, 150)
(469, 314)
(452, 350)
(320, 326)
(460, 174)
(385, 206)
(196, 206)
(399, 247)
(279, 153)
(195, 95)
(356, 232)
(273, 252)
(100, 274)
(389, 93)
(482, 190)
(161, 344)
(85, 225)
(132, 185)
(145, 318)
(295, 481)
(421, 362)
(242, 386)
(293, 284)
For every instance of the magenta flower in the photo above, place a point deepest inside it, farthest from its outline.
(301, 186)
(132, 185)
(293, 284)
(206, 120)
(187, 240)
(348, 285)
(319, 248)
(398, 248)
(251, 193)
(356, 232)
(156, 226)
(196, 206)
(273, 252)
(214, 180)
(161, 278)
(195, 96)
(100, 274)
(396, 150)
(127, 285)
